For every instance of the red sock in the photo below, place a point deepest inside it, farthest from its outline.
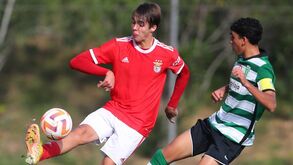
(50, 149)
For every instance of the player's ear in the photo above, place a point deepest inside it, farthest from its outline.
(154, 28)
(246, 41)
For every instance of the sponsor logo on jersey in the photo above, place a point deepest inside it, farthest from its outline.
(246, 70)
(234, 85)
(157, 65)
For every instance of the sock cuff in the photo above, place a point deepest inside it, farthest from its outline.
(50, 149)
(158, 158)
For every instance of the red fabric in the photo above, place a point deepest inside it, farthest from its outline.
(140, 76)
(180, 84)
(50, 149)
(84, 63)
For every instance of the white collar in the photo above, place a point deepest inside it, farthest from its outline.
(145, 51)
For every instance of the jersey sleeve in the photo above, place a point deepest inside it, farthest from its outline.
(180, 85)
(177, 63)
(266, 79)
(105, 53)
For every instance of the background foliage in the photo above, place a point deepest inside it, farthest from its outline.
(44, 35)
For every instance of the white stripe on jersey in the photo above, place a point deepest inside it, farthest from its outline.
(93, 56)
(251, 75)
(257, 61)
(165, 46)
(230, 131)
(232, 118)
(124, 39)
(180, 69)
(244, 104)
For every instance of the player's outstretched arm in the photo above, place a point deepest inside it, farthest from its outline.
(83, 62)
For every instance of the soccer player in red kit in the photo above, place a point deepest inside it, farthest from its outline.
(136, 81)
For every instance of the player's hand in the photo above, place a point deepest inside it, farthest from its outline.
(238, 73)
(171, 113)
(109, 81)
(219, 94)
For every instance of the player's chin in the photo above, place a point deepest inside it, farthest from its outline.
(137, 39)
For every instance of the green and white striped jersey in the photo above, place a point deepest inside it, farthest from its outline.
(236, 112)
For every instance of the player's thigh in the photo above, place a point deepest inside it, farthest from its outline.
(122, 143)
(179, 148)
(98, 124)
(208, 160)
(84, 133)
(81, 135)
(107, 161)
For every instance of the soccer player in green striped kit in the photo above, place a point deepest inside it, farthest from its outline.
(222, 136)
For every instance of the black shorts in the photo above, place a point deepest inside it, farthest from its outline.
(211, 142)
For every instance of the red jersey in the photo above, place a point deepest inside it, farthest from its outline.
(139, 79)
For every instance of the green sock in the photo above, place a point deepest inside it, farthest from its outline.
(158, 158)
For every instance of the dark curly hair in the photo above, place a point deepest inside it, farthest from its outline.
(249, 28)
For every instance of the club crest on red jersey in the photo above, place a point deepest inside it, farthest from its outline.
(157, 65)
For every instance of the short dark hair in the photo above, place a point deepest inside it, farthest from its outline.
(150, 11)
(249, 28)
